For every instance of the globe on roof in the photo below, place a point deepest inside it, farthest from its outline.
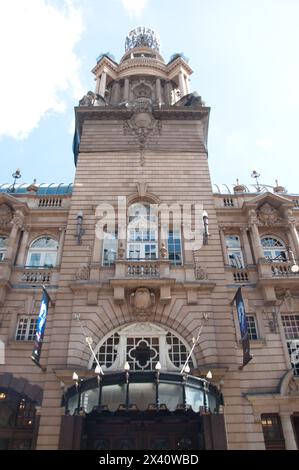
(142, 36)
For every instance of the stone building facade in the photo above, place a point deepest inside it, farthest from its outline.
(140, 296)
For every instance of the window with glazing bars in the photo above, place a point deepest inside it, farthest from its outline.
(26, 328)
(291, 331)
(252, 327)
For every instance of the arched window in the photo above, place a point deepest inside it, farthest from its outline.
(142, 345)
(274, 249)
(142, 236)
(3, 243)
(42, 253)
(234, 252)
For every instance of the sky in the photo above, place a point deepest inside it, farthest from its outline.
(245, 58)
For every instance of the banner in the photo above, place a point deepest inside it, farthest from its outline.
(41, 325)
(243, 327)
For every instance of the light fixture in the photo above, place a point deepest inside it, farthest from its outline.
(256, 175)
(186, 369)
(158, 366)
(127, 366)
(79, 229)
(75, 377)
(2, 396)
(209, 375)
(98, 370)
(16, 175)
(206, 234)
(295, 268)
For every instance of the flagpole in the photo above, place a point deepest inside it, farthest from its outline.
(88, 340)
(195, 342)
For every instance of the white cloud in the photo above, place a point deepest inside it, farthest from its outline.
(265, 143)
(38, 62)
(134, 7)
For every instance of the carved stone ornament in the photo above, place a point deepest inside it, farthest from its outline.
(163, 251)
(199, 272)
(142, 124)
(142, 301)
(267, 214)
(5, 216)
(82, 273)
(92, 99)
(293, 388)
(18, 218)
(121, 251)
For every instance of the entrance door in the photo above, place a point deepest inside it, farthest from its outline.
(143, 432)
(295, 420)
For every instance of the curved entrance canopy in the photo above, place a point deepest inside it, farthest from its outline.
(143, 391)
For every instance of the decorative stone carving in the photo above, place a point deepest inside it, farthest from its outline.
(252, 216)
(18, 218)
(82, 273)
(267, 214)
(92, 99)
(199, 272)
(142, 124)
(163, 251)
(5, 216)
(293, 388)
(121, 251)
(192, 99)
(142, 301)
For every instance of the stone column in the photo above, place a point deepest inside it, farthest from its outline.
(182, 83)
(167, 91)
(295, 239)
(256, 241)
(60, 246)
(223, 245)
(246, 246)
(187, 87)
(102, 87)
(23, 248)
(158, 90)
(115, 98)
(17, 224)
(126, 89)
(98, 84)
(288, 432)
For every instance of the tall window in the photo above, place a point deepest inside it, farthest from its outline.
(274, 249)
(3, 243)
(272, 430)
(26, 328)
(42, 253)
(110, 243)
(252, 327)
(142, 236)
(174, 247)
(234, 252)
(291, 331)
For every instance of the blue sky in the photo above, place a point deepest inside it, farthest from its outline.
(244, 54)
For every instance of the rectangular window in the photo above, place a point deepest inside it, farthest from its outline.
(291, 331)
(272, 430)
(175, 247)
(234, 252)
(35, 260)
(110, 246)
(252, 327)
(26, 328)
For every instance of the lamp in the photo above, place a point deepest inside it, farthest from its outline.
(206, 234)
(256, 175)
(157, 369)
(79, 229)
(127, 369)
(99, 371)
(294, 267)
(186, 369)
(78, 382)
(16, 175)
(209, 375)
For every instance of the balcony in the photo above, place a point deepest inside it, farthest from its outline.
(275, 274)
(34, 276)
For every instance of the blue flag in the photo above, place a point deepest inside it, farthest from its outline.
(243, 327)
(41, 325)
